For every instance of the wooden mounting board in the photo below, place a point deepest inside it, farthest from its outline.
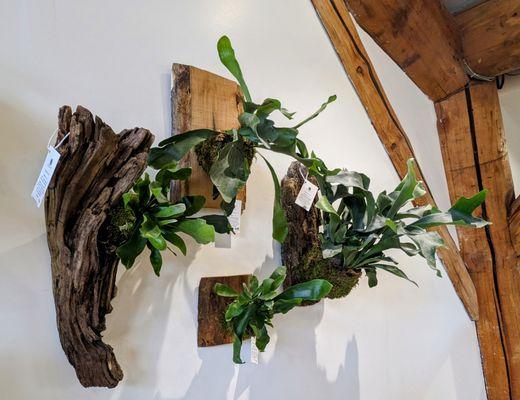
(212, 330)
(202, 100)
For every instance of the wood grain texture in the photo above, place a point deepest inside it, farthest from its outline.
(201, 99)
(495, 174)
(462, 173)
(420, 36)
(96, 168)
(352, 54)
(212, 330)
(491, 36)
(514, 224)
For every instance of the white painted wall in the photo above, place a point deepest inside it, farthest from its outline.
(392, 342)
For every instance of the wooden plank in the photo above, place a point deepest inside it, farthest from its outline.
(514, 224)
(420, 36)
(495, 174)
(491, 36)
(352, 54)
(212, 329)
(453, 122)
(201, 99)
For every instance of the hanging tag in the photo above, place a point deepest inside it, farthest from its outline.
(234, 217)
(254, 350)
(306, 195)
(51, 161)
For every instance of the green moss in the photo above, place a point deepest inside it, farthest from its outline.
(116, 228)
(207, 151)
(313, 266)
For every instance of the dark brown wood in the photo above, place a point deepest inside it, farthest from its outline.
(212, 330)
(354, 58)
(202, 100)
(514, 224)
(303, 225)
(96, 168)
(420, 36)
(454, 124)
(491, 36)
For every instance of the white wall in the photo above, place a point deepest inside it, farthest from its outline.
(395, 341)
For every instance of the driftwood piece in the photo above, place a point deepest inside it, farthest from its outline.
(202, 100)
(96, 168)
(212, 329)
(303, 225)
(354, 58)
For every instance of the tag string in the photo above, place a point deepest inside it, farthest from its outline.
(300, 171)
(60, 142)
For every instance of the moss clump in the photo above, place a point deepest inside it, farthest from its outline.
(116, 229)
(207, 151)
(313, 266)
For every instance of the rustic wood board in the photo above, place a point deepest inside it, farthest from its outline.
(354, 58)
(96, 168)
(212, 330)
(420, 36)
(457, 144)
(491, 36)
(201, 99)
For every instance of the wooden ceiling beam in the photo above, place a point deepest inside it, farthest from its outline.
(354, 58)
(491, 36)
(420, 36)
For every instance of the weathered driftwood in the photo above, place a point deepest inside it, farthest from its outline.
(96, 168)
(212, 329)
(342, 32)
(202, 100)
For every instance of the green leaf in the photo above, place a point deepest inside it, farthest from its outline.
(409, 188)
(270, 105)
(234, 310)
(278, 276)
(172, 211)
(176, 240)
(156, 260)
(428, 243)
(282, 306)
(312, 290)
(393, 270)
(128, 251)
(372, 277)
(224, 290)
(193, 204)
(317, 112)
(280, 227)
(219, 222)
(262, 337)
(237, 346)
(227, 57)
(166, 175)
(230, 171)
(174, 148)
(198, 229)
(324, 205)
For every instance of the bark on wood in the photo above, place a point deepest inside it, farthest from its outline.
(351, 52)
(420, 36)
(212, 329)
(491, 36)
(462, 173)
(201, 100)
(303, 225)
(96, 168)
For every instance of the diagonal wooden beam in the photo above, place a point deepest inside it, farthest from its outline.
(491, 36)
(351, 52)
(420, 36)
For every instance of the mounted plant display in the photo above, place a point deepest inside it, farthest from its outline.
(254, 307)
(227, 155)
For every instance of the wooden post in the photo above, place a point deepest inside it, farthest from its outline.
(202, 100)
(352, 54)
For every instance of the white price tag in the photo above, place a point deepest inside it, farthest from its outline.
(306, 195)
(51, 161)
(254, 351)
(234, 217)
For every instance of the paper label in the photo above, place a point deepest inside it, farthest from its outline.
(234, 217)
(254, 351)
(51, 161)
(306, 195)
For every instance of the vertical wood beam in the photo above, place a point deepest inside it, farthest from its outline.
(461, 165)
(354, 58)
